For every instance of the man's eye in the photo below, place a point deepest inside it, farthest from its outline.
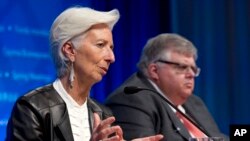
(182, 67)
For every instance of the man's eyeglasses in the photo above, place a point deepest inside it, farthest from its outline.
(182, 68)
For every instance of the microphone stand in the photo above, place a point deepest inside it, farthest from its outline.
(133, 89)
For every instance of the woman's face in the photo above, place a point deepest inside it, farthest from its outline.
(94, 55)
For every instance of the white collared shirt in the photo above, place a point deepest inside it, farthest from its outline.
(78, 114)
(180, 107)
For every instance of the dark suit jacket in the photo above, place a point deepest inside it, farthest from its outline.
(146, 113)
(42, 115)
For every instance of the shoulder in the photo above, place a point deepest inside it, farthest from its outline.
(195, 103)
(41, 98)
(146, 101)
(135, 80)
(195, 100)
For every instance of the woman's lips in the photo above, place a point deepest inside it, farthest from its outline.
(104, 70)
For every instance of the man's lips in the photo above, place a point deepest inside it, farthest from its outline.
(189, 85)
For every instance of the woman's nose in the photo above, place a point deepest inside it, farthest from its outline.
(110, 56)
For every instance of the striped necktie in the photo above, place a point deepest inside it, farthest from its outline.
(192, 129)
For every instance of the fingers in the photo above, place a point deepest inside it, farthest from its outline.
(119, 132)
(103, 129)
(97, 120)
(103, 134)
(156, 137)
(150, 138)
(99, 125)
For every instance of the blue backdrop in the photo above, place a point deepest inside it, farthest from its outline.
(219, 29)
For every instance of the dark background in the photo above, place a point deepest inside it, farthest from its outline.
(218, 28)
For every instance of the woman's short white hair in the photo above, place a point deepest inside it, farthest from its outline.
(74, 22)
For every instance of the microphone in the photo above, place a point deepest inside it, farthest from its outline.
(129, 90)
(132, 90)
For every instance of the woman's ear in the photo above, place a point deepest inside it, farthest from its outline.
(69, 51)
(152, 71)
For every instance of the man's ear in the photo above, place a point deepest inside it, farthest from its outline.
(69, 51)
(152, 71)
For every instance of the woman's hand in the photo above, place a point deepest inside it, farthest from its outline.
(103, 131)
(150, 138)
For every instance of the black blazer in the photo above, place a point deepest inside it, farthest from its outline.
(146, 113)
(42, 115)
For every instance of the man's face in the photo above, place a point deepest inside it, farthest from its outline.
(176, 76)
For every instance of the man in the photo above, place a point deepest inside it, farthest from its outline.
(167, 67)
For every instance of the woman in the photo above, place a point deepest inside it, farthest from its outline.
(82, 50)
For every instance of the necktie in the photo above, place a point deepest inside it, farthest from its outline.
(193, 130)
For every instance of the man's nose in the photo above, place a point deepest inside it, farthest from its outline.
(190, 72)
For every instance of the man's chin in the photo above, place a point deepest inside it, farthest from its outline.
(187, 94)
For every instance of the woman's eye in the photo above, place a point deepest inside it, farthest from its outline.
(100, 45)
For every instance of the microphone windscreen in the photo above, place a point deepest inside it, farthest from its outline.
(131, 90)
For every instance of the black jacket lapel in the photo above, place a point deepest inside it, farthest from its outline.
(94, 107)
(65, 128)
(60, 117)
(178, 126)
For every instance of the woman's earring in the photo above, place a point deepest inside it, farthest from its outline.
(71, 75)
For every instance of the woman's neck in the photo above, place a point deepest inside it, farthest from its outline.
(78, 91)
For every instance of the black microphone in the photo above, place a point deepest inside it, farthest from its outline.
(133, 90)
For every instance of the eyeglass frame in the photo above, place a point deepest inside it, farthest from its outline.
(182, 67)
